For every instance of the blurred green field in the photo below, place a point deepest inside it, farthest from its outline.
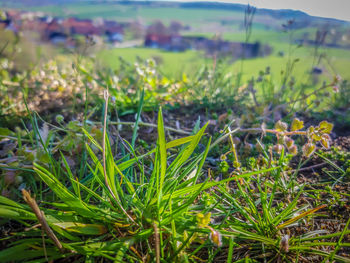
(170, 63)
(336, 61)
(189, 62)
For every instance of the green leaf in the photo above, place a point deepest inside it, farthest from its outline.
(246, 234)
(203, 220)
(325, 127)
(307, 249)
(5, 132)
(297, 125)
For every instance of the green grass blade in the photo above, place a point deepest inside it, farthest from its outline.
(195, 187)
(162, 149)
(282, 216)
(82, 228)
(62, 192)
(16, 213)
(136, 126)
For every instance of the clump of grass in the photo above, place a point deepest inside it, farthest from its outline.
(162, 205)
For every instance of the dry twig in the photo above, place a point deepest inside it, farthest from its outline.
(41, 218)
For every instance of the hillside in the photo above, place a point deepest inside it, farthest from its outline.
(56, 6)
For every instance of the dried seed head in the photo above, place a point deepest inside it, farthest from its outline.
(223, 157)
(10, 177)
(309, 149)
(335, 88)
(259, 147)
(289, 142)
(293, 150)
(215, 237)
(281, 126)
(236, 140)
(278, 148)
(337, 79)
(248, 148)
(59, 118)
(284, 246)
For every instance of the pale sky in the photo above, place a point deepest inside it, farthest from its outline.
(339, 9)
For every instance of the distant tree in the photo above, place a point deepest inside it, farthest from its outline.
(136, 29)
(157, 27)
(306, 36)
(336, 36)
(175, 27)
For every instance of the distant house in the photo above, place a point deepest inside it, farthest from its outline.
(167, 42)
(58, 38)
(84, 27)
(62, 31)
(4, 23)
(13, 26)
(113, 31)
(54, 31)
(14, 15)
(11, 21)
(113, 36)
(316, 70)
(227, 48)
(175, 42)
(36, 25)
(157, 41)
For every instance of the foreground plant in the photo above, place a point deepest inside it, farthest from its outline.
(158, 207)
